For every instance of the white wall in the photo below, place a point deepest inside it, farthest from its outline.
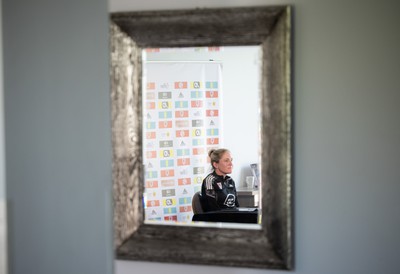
(346, 139)
(241, 109)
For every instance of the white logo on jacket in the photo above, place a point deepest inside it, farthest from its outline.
(230, 200)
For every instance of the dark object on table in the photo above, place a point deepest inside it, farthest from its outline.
(228, 216)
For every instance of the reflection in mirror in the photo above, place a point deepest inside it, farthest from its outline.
(196, 99)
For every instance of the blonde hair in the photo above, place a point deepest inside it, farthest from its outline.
(216, 155)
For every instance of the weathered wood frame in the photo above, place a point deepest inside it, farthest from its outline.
(270, 27)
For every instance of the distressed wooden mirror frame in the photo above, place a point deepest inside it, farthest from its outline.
(269, 27)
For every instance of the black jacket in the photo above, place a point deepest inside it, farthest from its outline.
(218, 193)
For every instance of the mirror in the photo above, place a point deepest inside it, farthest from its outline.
(195, 99)
(268, 27)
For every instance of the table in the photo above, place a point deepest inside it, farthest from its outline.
(229, 216)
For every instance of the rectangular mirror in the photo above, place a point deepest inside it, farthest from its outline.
(269, 28)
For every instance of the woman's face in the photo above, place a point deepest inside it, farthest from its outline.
(225, 165)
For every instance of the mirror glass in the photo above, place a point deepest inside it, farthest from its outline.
(196, 99)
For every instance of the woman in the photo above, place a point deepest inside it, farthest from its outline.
(218, 189)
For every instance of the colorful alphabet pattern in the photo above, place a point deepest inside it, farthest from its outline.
(181, 124)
